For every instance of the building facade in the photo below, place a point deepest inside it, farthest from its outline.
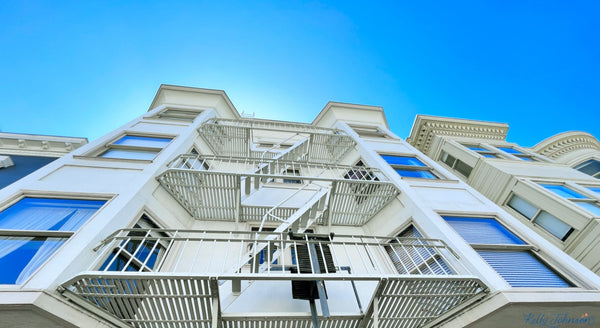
(192, 216)
(552, 187)
(21, 154)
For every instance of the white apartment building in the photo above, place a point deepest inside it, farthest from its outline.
(192, 216)
(550, 187)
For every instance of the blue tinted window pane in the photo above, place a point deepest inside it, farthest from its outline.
(522, 269)
(595, 189)
(482, 231)
(416, 174)
(48, 214)
(402, 160)
(563, 191)
(21, 256)
(476, 148)
(510, 150)
(118, 264)
(129, 154)
(489, 155)
(590, 207)
(142, 141)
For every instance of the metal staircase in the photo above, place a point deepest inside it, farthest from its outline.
(219, 192)
(227, 137)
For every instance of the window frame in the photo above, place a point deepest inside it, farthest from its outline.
(456, 162)
(418, 267)
(414, 168)
(369, 131)
(525, 247)
(99, 152)
(500, 151)
(180, 115)
(144, 221)
(584, 199)
(59, 235)
(579, 166)
(534, 217)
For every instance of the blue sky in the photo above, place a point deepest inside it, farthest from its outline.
(83, 68)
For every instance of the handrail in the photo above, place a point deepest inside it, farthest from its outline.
(364, 254)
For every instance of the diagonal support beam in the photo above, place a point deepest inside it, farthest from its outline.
(374, 304)
(320, 285)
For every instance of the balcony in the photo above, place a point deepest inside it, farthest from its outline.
(227, 137)
(216, 187)
(188, 278)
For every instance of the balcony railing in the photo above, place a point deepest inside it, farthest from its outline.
(214, 187)
(180, 278)
(234, 138)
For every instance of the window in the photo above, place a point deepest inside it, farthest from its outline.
(32, 229)
(456, 164)
(506, 253)
(410, 167)
(521, 155)
(483, 151)
(179, 114)
(541, 218)
(263, 256)
(410, 255)
(135, 147)
(590, 167)
(594, 189)
(142, 252)
(369, 131)
(292, 172)
(193, 161)
(582, 201)
(501, 152)
(361, 190)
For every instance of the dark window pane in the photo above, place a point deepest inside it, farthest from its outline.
(591, 167)
(463, 168)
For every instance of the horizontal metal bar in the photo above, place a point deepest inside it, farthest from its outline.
(265, 276)
(36, 233)
(502, 247)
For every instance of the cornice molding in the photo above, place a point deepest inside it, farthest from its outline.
(39, 144)
(566, 142)
(426, 127)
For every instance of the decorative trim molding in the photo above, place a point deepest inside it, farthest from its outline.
(14, 143)
(566, 142)
(426, 127)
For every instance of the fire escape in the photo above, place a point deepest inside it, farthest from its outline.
(197, 275)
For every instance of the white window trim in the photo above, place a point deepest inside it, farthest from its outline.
(428, 167)
(98, 151)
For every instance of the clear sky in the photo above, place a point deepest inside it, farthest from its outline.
(83, 68)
